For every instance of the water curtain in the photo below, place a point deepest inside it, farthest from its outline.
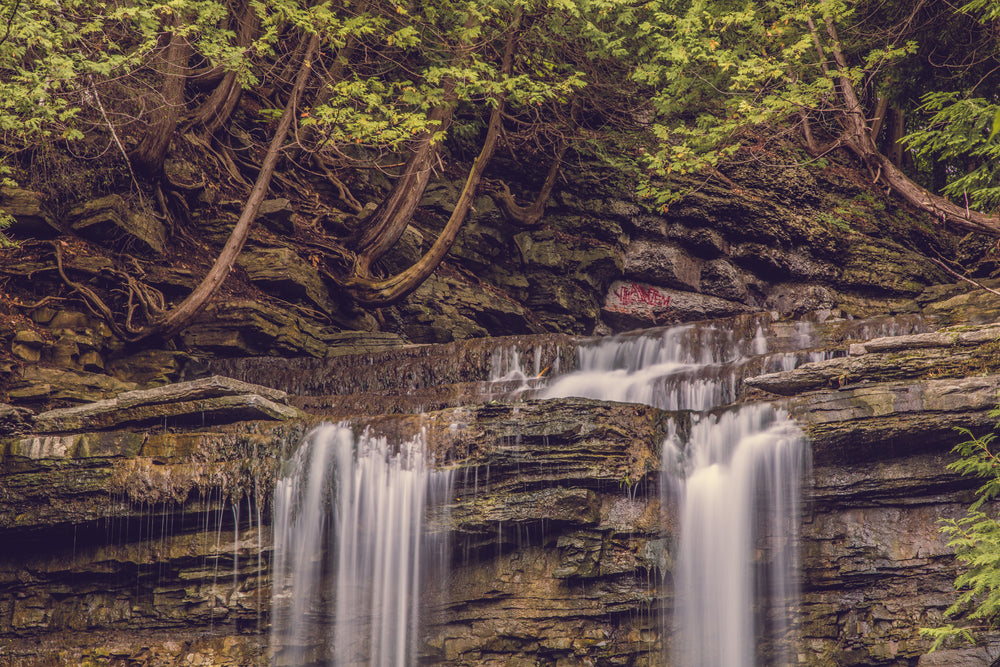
(350, 550)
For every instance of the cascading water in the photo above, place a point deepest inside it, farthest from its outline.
(735, 484)
(350, 553)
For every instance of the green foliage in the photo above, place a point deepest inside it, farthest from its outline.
(696, 77)
(5, 222)
(719, 68)
(963, 130)
(719, 72)
(961, 133)
(976, 541)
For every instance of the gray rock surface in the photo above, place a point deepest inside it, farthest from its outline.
(212, 400)
(111, 219)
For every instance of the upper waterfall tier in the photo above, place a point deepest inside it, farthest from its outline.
(428, 377)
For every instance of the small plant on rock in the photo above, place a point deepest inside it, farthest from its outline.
(976, 541)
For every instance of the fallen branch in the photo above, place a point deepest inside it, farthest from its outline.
(961, 277)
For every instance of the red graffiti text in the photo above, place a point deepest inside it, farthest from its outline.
(637, 295)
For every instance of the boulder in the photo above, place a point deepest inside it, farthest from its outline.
(110, 220)
(591, 261)
(251, 328)
(28, 344)
(894, 419)
(703, 241)
(27, 207)
(721, 279)
(879, 266)
(957, 352)
(281, 269)
(15, 420)
(799, 298)
(445, 308)
(407, 250)
(632, 305)
(277, 214)
(777, 264)
(42, 384)
(662, 264)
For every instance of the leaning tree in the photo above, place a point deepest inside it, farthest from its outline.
(378, 84)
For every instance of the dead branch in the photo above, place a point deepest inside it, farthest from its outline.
(343, 192)
(530, 215)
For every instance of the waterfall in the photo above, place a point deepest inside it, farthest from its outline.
(350, 553)
(734, 481)
(735, 583)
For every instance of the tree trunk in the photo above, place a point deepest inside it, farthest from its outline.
(180, 316)
(858, 138)
(215, 112)
(530, 215)
(897, 128)
(149, 155)
(389, 220)
(384, 292)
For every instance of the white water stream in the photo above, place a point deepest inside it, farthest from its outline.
(350, 552)
(735, 483)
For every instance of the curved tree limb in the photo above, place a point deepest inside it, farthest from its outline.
(389, 220)
(384, 292)
(215, 112)
(182, 314)
(371, 291)
(858, 137)
(530, 215)
(387, 224)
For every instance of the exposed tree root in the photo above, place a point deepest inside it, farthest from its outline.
(342, 191)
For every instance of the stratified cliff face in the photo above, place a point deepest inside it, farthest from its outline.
(154, 548)
(875, 565)
(144, 539)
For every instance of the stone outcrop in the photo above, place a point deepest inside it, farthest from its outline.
(211, 400)
(152, 548)
(289, 275)
(31, 217)
(876, 567)
(111, 219)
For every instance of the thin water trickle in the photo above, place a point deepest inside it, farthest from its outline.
(350, 553)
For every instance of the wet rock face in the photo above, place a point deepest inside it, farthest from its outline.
(882, 419)
(146, 548)
(137, 548)
(157, 541)
(875, 565)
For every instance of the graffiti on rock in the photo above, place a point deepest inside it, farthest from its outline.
(633, 298)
